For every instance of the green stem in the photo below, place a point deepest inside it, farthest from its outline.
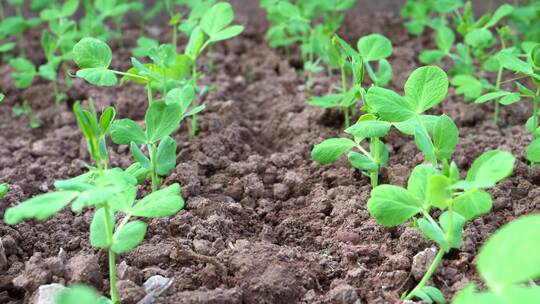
(174, 37)
(374, 175)
(130, 75)
(149, 94)
(153, 160)
(535, 109)
(112, 257)
(194, 125)
(347, 119)
(427, 275)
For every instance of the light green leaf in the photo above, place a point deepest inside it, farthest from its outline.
(125, 131)
(490, 96)
(98, 76)
(445, 137)
(80, 294)
(426, 87)
(439, 191)
(162, 203)
(445, 39)
(227, 33)
(40, 207)
(361, 162)
(162, 119)
(389, 105)
(329, 150)
(128, 236)
(431, 56)
(491, 167)
(511, 62)
(510, 99)
(418, 182)
(473, 203)
(98, 229)
(501, 12)
(217, 18)
(434, 233)
(424, 143)
(467, 85)
(139, 156)
(92, 53)
(374, 47)
(479, 38)
(369, 128)
(455, 231)
(515, 244)
(391, 205)
(533, 151)
(166, 156)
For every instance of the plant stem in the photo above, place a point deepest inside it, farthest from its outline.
(347, 119)
(153, 161)
(174, 37)
(149, 94)
(374, 175)
(112, 257)
(535, 109)
(427, 275)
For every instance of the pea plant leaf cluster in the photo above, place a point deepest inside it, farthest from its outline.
(310, 24)
(111, 192)
(435, 136)
(374, 48)
(507, 282)
(458, 200)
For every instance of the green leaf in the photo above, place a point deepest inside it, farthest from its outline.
(491, 167)
(24, 72)
(533, 151)
(98, 76)
(106, 119)
(125, 131)
(162, 119)
(128, 236)
(467, 85)
(424, 143)
(80, 294)
(418, 182)
(501, 12)
(391, 205)
(217, 18)
(329, 150)
(511, 62)
(435, 294)
(514, 244)
(374, 47)
(4, 188)
(389, 105)
(490, 96)
(139, 156)
(431, 56)
(439, 191)
(328, 101)
(445, 137)
(369, 128)
(479, 38)
(384, 74)
(473, 203)
(98, 229)
(456, 228)
(162, 203)
(445, 39)
(426, 87)
(361, 162)
(510, 99)
(40, 207)
(434, 233)
(227, 33)
(408, 127)
(92, 53)
(166, 156)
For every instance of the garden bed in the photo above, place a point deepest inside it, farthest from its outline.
(278, 227)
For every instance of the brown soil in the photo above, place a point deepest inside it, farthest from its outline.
(281, 228)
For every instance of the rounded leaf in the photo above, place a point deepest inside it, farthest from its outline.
(92, 53)
(426, 87)
(392, 205)
(329, 150)
(491, 167)
(374, 47)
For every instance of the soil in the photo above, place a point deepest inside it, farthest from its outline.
(278, 227)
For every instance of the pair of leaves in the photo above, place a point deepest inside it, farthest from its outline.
(511, 243)
(215, 23)
(94, 57)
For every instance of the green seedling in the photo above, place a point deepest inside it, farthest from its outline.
(2, 96)
(16, 26)
(99, 12)
(529, 68)
(309, 23)
(513, 280)
(144, 45)
(435, 136)
(111, 192)
(26, 110)
(214, 26)
(459, 201)
(4, 188)
(525, 20)
(162, 118)
(371, 48)
(427, 13)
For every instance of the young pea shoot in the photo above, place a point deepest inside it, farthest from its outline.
(513, 280)
(371, 48)
(458, 200)
(110, 192)
(16, 26)
(26, 110)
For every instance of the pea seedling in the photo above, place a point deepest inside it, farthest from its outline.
(295, 22)
(427, 13)
(458, 200)
(16, 25)
(425, 88)
(507, 282)
(531, 70)
(109, 191)
(26, 110)
(371, 48)
(4, 188)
